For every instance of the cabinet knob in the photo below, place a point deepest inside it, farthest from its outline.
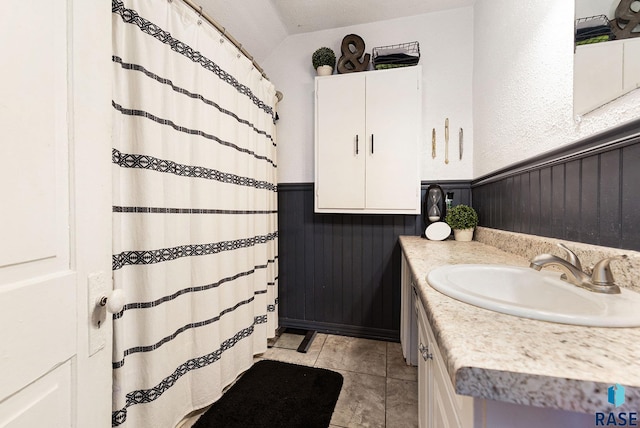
(424, 351)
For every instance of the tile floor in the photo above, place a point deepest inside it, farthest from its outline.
(379, 389)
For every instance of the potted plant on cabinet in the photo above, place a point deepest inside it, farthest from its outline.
(463, 220)
(324, 60)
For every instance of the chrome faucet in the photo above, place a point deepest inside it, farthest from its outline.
(600, 281)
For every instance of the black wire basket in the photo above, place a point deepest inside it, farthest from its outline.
(393, 56)
(593, 29)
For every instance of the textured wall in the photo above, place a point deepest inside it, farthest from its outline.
(584, 192)
(446, 46)
(523, 83)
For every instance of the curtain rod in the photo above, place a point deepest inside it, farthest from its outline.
(229, 37)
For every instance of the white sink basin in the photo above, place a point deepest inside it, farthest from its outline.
(540, 295)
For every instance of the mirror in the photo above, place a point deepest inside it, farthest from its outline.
(602, 70)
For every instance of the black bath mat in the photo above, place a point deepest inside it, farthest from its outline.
(272, 394)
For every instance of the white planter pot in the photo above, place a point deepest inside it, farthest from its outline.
(463, 234)
(324, 70)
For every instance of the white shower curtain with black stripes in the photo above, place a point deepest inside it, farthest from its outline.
(194, 215)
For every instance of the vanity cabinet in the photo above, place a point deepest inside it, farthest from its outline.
(438, 404)
(408, 320)
(440, 407)
(367, 152)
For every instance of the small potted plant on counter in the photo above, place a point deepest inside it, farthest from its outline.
(463, 220)
(324, 60)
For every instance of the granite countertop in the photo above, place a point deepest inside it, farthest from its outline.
(518, 360)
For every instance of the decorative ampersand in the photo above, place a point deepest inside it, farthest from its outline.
(350, 59)
(626, 20)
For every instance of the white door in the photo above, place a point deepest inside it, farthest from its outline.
(55, 215)
(340, 142)
(393, 130)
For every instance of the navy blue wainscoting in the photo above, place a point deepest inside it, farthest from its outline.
(340, 273)
(588, 191)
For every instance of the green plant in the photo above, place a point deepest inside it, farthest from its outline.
(323, 56)
(461, 217)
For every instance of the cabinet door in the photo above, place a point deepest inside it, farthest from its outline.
(340, 142)
(444, 409)
(408, 322)
(425, 387)
(393, 128)
(438, 406)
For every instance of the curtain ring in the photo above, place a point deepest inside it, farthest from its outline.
(200, 16)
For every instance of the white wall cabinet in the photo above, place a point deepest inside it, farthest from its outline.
(603, 72)
(367, 152)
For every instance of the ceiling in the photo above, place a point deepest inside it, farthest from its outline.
(301, 16)
(262, 25)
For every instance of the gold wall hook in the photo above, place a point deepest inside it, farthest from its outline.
(433, 143)
(446, 141)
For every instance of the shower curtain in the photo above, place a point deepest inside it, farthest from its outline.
(194, 215)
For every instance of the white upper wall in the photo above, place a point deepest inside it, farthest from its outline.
(446, 46)
(523, 83)
(502, 70)
(587, 8)
(254, 23)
